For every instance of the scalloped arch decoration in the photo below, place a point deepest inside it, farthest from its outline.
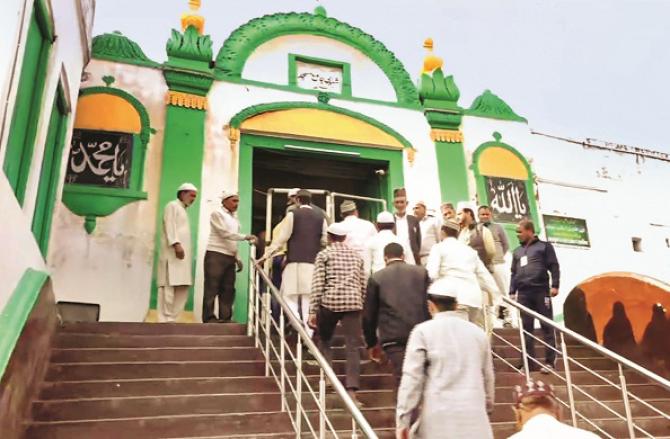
(245, 39)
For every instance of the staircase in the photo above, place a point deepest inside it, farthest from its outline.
(136, 380)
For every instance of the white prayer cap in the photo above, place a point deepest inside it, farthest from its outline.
(466, 205)
(420, 203)
(445, 287)
(385, 218)
(451, 224)
(337, 229)
(187, 187)
(227, 194)
(293, 192)
(347, 206)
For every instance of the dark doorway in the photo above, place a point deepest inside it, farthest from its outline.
(288, 169)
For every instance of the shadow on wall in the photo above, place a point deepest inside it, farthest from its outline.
(625, 313)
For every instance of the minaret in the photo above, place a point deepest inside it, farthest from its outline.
(439, 96)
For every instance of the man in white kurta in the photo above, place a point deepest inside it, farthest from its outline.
(373, 258)
(456, 260)
(447, 375)
(359, 231)
(173, 274)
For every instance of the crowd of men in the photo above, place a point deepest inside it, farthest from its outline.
(384, 282)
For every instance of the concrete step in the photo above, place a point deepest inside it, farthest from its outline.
(603, 392)
(155, 386)
(149, 354)
(75, 340)
(129, 328)
(174, 426)
(591, 363)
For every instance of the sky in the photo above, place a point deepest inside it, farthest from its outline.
(573, 68)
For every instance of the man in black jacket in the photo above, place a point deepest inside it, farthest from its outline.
(396, 301)
(407, 226)
(532, 263)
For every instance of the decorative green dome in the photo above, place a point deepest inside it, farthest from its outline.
(117, 47)
(490, 105)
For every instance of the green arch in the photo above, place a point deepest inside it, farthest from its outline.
(236, 121)
(245, 39)
(145, 131)
(530, 183)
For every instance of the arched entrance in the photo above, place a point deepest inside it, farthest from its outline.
(310, 145)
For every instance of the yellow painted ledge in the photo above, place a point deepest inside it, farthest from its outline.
(106, 112)
(315, 123)
(184, 317)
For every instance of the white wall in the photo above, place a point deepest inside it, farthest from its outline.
(113, 266)
(269, 63)
(20, 250)
(621, 203)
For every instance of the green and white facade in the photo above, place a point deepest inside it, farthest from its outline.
(245, 116)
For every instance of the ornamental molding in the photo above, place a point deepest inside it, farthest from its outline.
(448, 136)
(117, 47)
(492, 106)
(186, 100)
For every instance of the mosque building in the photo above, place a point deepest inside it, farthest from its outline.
(96, 138)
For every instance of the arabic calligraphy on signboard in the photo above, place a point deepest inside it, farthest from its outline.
(100, 158)
(567, 230)
(508, 199)
(319, 77)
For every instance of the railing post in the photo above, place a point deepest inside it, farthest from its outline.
(568, 379)
(322, 402)
(282, 353)
(267, 316)
(298, 388)
(626, 403)
(257, 313)
(252, 288)
(524, 353)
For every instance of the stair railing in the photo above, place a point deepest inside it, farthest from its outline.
(625, 369)
(285, 362)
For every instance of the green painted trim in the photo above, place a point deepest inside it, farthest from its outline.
(295, 89)
(118, 48)
(183, 157)
(482, 194)
(438, 91)
(28, 106)
(91, 201)
(345, 66)
(17, 311)
(492, 106)
(245, 39)
(452, 172)
(241, 116)
(45, 20)
(248, 142)
(50, 173)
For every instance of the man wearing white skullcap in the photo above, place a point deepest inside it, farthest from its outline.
(374, 252)
(221, 259)
(173, 274)
(447, 373)
(338, 290)
(359, 231)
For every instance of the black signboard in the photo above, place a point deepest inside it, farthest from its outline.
(100, 158)
(508, 199)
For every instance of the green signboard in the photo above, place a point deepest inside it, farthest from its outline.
(566, 230)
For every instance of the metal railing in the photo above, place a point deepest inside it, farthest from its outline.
(285, 363)
(625, 368)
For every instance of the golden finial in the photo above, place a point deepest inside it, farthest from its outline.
(192, 18)
(430, 62)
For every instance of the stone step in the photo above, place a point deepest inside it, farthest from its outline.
(155, 386)
(74, 340)
(603, 392)
(130, 328)
(591, 363)
(574, 351)
(202, 353)
(175, 426)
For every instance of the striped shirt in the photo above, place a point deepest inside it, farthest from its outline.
(338, 282)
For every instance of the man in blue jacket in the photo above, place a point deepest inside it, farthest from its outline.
(533, 288)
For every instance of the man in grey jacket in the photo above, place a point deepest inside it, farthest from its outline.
(447, 374)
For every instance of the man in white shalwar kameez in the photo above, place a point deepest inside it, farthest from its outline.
(447, 375)
(173, 275)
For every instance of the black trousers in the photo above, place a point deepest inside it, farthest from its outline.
(540, 302)
(219, 282)
(396, 355)
(351, 326)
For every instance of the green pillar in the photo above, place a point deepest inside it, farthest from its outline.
(439, 95)
(189, 78)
